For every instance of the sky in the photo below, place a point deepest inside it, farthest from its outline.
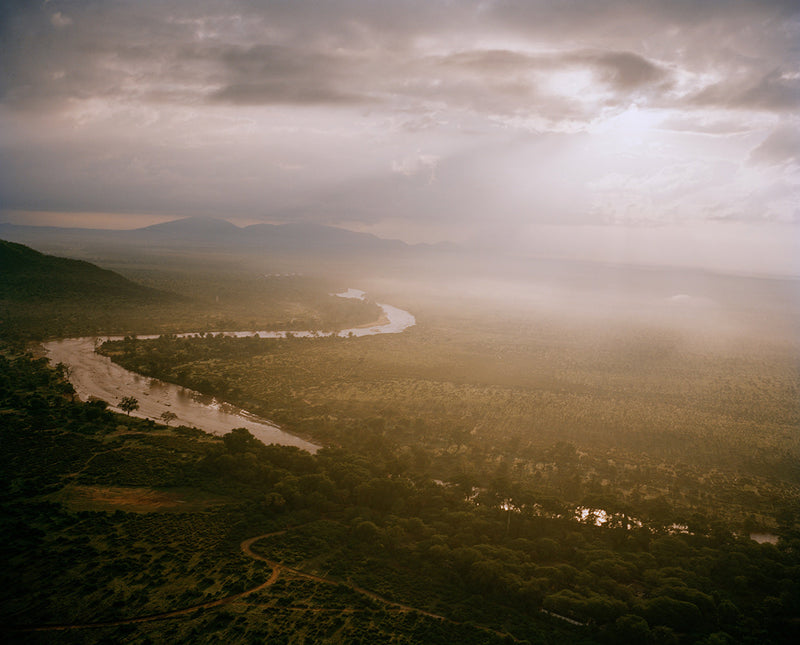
(646, 131)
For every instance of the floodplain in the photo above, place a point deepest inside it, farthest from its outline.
(528, 463)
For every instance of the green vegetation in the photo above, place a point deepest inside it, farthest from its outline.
(29, 276)
(128, 404)
(632, 419)
(363, 544)
(487, 477)
(64, 566)
(42, 296)
(168, 417)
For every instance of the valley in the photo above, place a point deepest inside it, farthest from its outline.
(510, 468)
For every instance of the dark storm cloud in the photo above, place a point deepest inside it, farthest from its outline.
(265, 74)
(620, 69)
(344, 52)
(776, 91)
(427, 111)
(277, 91)
(624, 70)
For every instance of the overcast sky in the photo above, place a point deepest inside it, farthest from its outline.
(643, 130)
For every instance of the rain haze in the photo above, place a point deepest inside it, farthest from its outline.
(400, 321)
(653, 132)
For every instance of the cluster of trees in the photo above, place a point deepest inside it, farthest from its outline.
(440, 410)
(484, 563)
(497, 437)
(406, 534)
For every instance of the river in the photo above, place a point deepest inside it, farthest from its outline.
(93, 375)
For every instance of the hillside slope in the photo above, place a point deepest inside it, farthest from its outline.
(43, 296)
(29, 276)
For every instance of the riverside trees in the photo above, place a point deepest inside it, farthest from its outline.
(368, 520)
(168, 416)
(128, 404)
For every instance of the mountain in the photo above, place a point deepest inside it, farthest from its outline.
(203, 234)
(294, 237)
(189, 229)
(32, 276)
(305, 236)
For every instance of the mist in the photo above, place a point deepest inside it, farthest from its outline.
(492, 125)
(420, 322)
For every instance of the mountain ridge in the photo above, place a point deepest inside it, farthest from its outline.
(206, 232)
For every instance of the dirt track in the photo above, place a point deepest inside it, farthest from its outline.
(167, 614)
(277, 569)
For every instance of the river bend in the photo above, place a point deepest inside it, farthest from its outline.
(93, 375)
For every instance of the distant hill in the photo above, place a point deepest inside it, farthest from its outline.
(295, 237)
(202, 234)
(304, 236)
(44, 296)
(28, 276)
(188, 230)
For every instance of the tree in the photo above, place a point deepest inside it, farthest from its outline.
(239, 440)
(168, 416)
(275, 502)
(128, 404)
(632, 629)
(63, 370)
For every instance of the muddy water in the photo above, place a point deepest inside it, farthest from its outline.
(93, 375)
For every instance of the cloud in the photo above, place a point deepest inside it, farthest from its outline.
(539, 91)
(474, 115)
(704, 124)
(624, 70)
(782, 146)
(59, 20)
(271, 92)
(416, 164)
(270, 73)
(776, 91)
(621, 69)
(403, 55)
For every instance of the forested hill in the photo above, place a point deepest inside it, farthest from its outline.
(32, 276)
(43, 296)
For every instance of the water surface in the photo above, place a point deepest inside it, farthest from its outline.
(93, 375)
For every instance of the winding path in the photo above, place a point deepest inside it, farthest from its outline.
(277, 566)
(277, 569)
(85, 366)
(246, 547)
(153, 617)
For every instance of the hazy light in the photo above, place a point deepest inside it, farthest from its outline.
(470, 121)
